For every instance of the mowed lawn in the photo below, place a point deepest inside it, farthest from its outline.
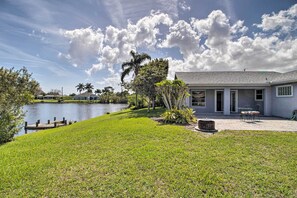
(126, 154)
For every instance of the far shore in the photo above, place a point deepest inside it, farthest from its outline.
(72, 101)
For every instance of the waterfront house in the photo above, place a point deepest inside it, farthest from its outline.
(86, 96)
(229, 92)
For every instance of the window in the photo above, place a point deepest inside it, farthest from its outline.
(259, 94)
(284, 91)
(198, 98)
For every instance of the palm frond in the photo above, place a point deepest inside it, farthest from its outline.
(127, 64)
(125, 73)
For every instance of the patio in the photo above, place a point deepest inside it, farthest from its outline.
(263, 123)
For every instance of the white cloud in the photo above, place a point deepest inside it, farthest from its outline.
(182, 35)
(217, 28)
(183, 5)
(112, 80)
(284, 21)
(113, 46)
(84, 44)
(212, 43)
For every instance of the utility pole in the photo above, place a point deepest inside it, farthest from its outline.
(62, 93)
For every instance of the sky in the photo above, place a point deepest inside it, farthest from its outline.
(65, 42)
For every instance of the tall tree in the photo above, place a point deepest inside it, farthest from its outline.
(17, 89)
(150, 74)
(98, 91)
(106, 93)
(134, 66)
(89, 87)
(80, 87)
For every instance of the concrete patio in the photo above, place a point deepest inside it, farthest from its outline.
(263, 123)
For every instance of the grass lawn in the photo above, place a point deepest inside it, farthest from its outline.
(126, 154)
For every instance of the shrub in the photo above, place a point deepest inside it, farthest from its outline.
(179, 116)
(141, 102)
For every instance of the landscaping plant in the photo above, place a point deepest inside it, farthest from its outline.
(17, 89)
(174, 94)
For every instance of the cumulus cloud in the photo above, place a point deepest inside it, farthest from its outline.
(183, 36)
(113, 46)
(212, 43)
(284, 21)
(84, 44)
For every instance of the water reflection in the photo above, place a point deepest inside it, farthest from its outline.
(74, 112)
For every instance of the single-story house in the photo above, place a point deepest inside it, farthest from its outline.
(229, 92)
(86, 96)
(48, 97)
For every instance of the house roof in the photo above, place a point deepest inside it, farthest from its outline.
(236, 78)
(86, 94)
(288, 77)
(227, 77)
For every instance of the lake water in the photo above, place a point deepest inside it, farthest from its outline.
(71, 111)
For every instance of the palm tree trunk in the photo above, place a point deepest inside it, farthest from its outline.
(136, 96)
(149, 105)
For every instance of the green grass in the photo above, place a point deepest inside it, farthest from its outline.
(126, 154)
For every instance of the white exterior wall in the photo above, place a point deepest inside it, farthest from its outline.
(284, 106)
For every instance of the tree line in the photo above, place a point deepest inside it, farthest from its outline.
(105, 95)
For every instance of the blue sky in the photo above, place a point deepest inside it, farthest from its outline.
(66, 42)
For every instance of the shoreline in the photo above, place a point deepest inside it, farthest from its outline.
(72, 101)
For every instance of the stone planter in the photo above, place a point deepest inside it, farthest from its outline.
(206, 126)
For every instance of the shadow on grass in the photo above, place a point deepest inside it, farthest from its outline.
(140, 113)
(144, 113)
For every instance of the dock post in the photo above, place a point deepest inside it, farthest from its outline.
(48, 121)
(38, 121)
(65, 122)
(26, 124)
(37, 124)
(55, 124)
(63, 119)
(54, 118)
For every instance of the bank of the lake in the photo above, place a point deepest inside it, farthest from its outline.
(126, 154)
(70, 111)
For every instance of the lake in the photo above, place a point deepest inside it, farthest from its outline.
(71, 111)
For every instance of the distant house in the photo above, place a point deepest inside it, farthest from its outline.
(229, 92)
(86, 96)
(48, 97)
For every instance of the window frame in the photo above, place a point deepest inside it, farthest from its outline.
(282, 86)
(261, 94)
(192, 98)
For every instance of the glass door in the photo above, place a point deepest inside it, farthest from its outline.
(219, 101)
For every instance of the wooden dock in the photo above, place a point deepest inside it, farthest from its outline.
(42, 126)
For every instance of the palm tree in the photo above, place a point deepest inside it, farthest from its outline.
(89, 87)
(134, 65)
(80, 87)
(98, 91)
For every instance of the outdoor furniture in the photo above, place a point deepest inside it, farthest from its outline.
(250, 115)
(244, 109)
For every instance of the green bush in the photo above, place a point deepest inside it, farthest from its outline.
(179, 116)
(141, 102)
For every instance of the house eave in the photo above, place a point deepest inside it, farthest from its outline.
(283, 82)
(228, 85)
